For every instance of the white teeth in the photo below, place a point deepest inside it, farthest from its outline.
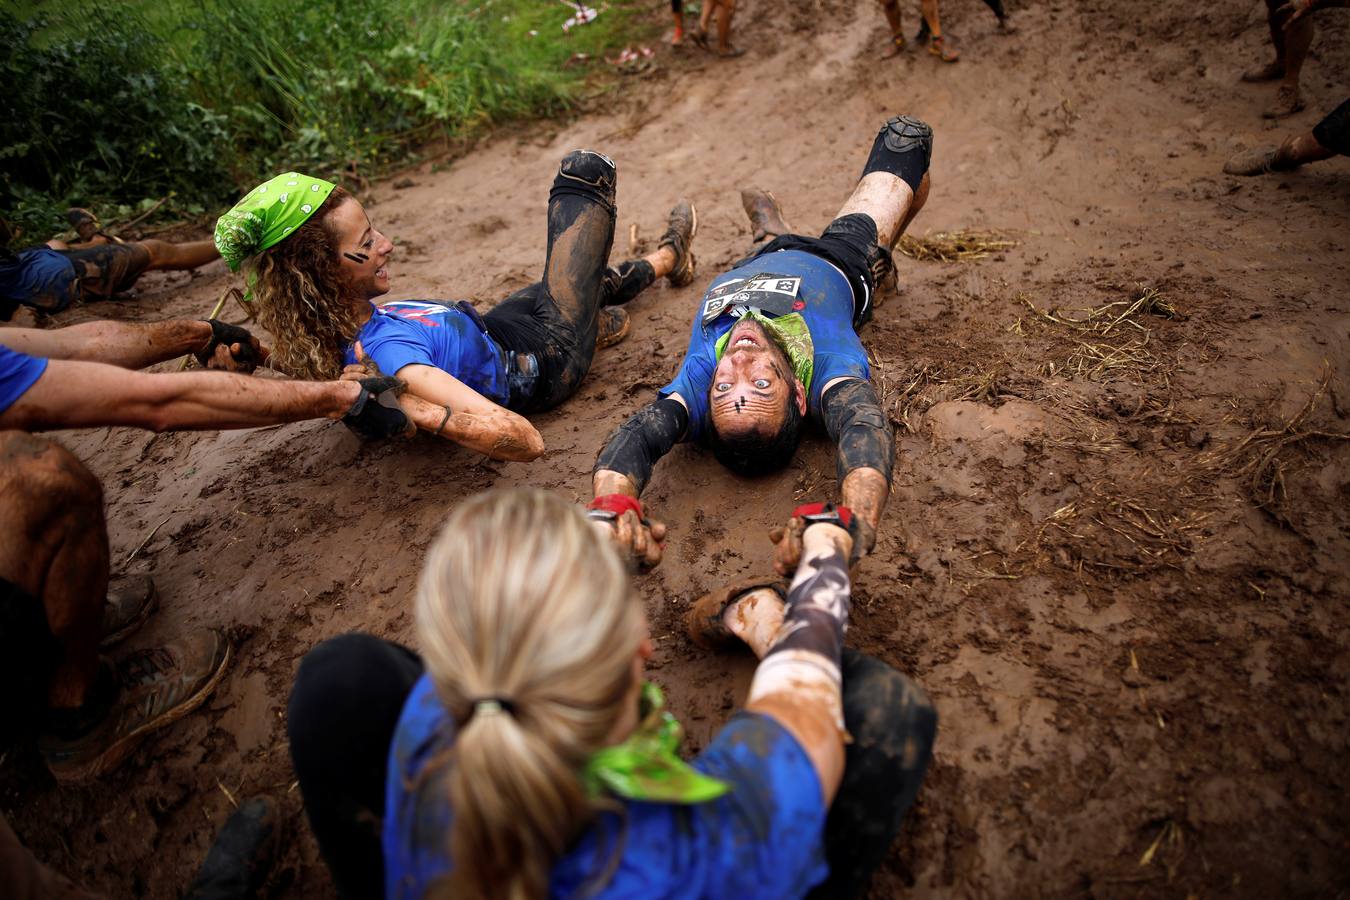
(746, 342)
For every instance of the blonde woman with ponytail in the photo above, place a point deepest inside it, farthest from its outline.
(523, 755)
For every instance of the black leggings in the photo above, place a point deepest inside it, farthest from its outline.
(556, 319)
(350, 690)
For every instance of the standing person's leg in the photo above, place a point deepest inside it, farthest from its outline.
(937, 44)
(1005, 22)
(896, 42)
(726, 10)
(343, 711)
(1296, 39)
(1274, 69)
(677, 12)
(893, 725)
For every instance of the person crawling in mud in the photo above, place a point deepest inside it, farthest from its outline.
(774, 342)
(316, 263)
(524, 754)
(1329, 137)
(50, 277)
(56, 607)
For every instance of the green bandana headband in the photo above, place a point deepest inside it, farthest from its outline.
(792, 335)
(645, 766)
(267, 214)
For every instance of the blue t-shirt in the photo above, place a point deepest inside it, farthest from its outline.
(824, 299)
(39, 276)
(18, 372)
(761, 839)
(434, 333)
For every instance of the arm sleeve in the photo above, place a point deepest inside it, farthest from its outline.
(859, 428)
(648, 435)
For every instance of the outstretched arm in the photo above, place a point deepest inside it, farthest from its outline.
(85, 394)
(457, 412)
(864, 461)
(624, 467)
(131, 345)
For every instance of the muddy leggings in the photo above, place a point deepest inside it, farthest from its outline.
(341, 759)
(556, 319)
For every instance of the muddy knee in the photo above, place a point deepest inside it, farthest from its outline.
(587, 172)
(46, 475)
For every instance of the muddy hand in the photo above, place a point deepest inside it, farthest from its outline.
(637, 540)
(787, 552)
(231, 349)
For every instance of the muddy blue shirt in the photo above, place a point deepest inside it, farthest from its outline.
(822, 296)
(37, 272)
(761, 839)
(434, 333)
(18, 372)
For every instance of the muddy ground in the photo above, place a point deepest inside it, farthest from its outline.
(1116, 551)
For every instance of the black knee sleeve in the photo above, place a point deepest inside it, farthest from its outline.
(587, 174)
(903, 148)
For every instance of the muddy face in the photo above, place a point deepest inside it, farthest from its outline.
(751, 384)
(364, 252)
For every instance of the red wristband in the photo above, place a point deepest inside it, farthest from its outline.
(823, 511)
(616, 503)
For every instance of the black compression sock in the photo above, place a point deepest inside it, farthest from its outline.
(903, 148)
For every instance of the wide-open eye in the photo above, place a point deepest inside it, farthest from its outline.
(762, 383)
(723, 387)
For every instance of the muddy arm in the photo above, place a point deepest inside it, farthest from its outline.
(625, 464)
(125, 344)
(865, 455)
(474, 421)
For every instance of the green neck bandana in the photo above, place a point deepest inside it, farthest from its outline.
(793, 337)
(267, 214)
(645, 766)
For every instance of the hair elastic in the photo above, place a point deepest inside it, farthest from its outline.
(490, 705)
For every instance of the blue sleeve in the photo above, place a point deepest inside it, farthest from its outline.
(18, 372)
(692, 383)
(394, 343)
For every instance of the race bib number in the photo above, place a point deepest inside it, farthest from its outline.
(773, 295)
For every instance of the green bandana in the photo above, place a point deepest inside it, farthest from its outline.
(646, 767)
(267, 214)
(792, 335)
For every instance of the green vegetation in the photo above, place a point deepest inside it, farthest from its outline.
(197, 100)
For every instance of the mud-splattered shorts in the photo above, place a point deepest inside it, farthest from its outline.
(29, 655)
(1333, 132)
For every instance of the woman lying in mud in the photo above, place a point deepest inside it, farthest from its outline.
(315, 263)
(526, 756)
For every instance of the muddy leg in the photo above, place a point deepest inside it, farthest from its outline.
(55, 549)
(893, 725)
(341, 759)
(191, 255)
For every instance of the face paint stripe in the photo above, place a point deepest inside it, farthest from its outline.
(357, 257)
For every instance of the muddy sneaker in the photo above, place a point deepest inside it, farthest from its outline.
(1269, 72)
(614, 326)
(157, 687)
(84, 222)
(884, 279)
(1251, 162)
(766, 219)
(1287, 102)
(240, 860)
(703, 623)
(131, 600)
(680, 231)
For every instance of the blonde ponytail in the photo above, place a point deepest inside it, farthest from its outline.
(522, 602)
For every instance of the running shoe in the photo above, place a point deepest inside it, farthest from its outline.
(131, 600)
(615, 324)
(680, 231)
(766, 218)
(156, 687)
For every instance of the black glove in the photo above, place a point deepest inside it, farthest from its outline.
(229, 335)
(382, 418)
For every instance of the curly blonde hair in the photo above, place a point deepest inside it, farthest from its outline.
(304, 299)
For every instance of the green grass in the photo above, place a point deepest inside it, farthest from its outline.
(198, 100)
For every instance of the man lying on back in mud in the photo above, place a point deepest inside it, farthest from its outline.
(316, 264)
(52, 276)
(775, 341)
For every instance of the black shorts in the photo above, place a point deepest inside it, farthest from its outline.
(29, 655)
(1333, 132)
(847, 242)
